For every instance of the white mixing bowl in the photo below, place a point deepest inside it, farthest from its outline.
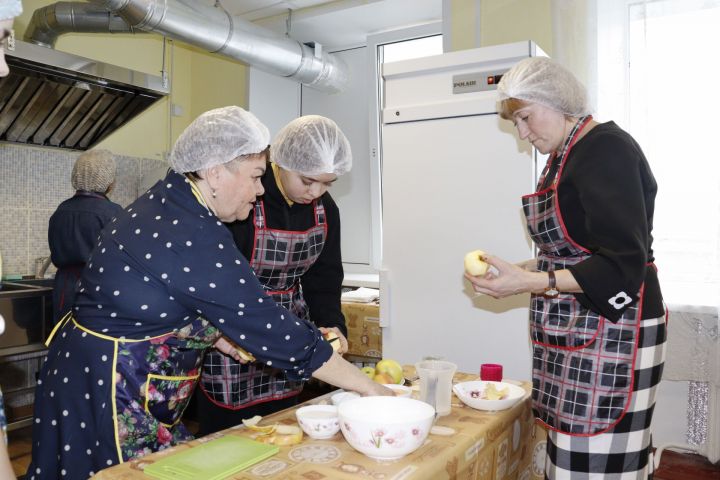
(385, 428)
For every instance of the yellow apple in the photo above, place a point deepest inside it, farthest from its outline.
(390, 367)
(474, 263)
(383, 377)
(369, 371)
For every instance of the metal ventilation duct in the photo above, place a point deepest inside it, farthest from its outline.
(51, 21)
(52, 98)
(216, 31)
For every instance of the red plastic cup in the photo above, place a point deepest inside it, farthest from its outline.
(491, 372)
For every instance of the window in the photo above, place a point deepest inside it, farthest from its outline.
(668, 104)
(414, 48)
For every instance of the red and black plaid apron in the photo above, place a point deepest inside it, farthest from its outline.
(582, 362)
(279, 259)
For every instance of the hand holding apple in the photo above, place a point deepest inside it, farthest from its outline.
(336, 339)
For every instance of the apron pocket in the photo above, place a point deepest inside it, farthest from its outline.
(166, 397)
(563, 323)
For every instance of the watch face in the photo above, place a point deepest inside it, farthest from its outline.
(552, 292)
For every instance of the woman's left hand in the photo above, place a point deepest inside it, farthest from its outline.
(341, 338)
(503, 280)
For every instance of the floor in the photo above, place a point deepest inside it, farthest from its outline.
(673, 465)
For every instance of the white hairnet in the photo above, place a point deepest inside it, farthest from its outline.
(541, 80)
(216, 137)
(312, 145)
(94, 171)
(10, 9)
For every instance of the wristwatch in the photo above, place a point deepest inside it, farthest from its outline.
(551, 290)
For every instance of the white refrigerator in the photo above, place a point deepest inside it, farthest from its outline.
(452, 176)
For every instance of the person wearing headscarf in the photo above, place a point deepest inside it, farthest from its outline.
(165, 283)
(76, 224)
(9, 9)
(597, 318)
(292, 241)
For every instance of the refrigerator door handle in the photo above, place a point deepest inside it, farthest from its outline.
(385, 297)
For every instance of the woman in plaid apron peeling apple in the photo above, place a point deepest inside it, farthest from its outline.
(597, 317)
(292, 241)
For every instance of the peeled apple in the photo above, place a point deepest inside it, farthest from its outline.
(474, 264)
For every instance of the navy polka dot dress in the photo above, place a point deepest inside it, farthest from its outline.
(164, 282)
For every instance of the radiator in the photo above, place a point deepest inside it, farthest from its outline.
(693, 355)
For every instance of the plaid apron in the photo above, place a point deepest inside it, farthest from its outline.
(279, 259)
(582, 362)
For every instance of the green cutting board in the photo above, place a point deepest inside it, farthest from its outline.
(213, 460)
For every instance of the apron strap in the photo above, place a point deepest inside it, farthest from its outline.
(57, 326)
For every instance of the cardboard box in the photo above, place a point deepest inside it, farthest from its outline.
(364, 332)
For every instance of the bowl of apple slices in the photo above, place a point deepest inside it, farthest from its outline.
(488, 395)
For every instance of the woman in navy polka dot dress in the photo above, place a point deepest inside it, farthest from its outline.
(165, 283)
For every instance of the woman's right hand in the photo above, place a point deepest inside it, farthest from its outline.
(505, 279)
(377, 389)
(341, 373)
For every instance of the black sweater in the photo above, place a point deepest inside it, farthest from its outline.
(322, 282)
(607, 198)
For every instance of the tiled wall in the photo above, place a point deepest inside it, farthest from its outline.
(33, 182)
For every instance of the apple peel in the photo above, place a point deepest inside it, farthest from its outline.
(252, 424)
(276, 434)
(293, 436)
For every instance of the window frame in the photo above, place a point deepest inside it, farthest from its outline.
(374, 51)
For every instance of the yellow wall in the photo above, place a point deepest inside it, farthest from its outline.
(217, 82)
(501, 21)
(199, 81)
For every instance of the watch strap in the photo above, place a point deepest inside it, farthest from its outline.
(551, 290)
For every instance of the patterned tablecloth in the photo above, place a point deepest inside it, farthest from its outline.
(483, 446)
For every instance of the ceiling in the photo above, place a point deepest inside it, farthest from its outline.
(256, 9)
(334, 23)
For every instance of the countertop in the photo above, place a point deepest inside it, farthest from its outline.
(480, 445)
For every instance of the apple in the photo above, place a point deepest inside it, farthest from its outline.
(390, 367)
(383, 377)
(474, 263)
(369, 371)
(333, 340)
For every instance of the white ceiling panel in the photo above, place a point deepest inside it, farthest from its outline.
(334, 23)
(256, 9)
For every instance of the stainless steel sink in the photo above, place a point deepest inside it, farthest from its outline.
(24, 288)
(13, 287)
(28, 314)
(27, 308)
(36, 282)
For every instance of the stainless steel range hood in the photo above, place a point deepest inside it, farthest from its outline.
(56, 99)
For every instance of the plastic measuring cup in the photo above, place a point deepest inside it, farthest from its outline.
(436, 383)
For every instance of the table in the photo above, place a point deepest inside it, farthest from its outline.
(484, 446)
